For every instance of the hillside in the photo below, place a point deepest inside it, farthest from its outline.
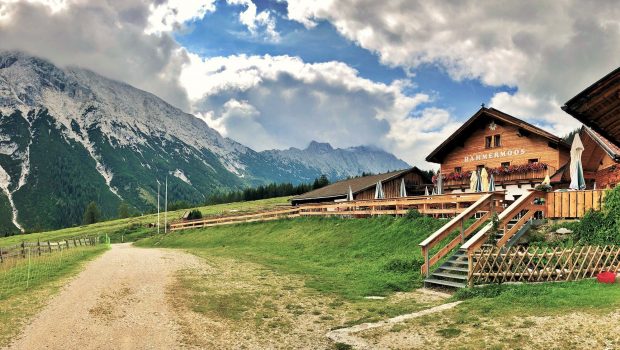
(69, 136)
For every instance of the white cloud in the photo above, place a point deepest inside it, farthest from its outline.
(280, 101)
(549, 50)
(255, 22)
(107, 37)
(169, 15)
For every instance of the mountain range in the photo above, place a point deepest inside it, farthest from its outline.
(69, 136)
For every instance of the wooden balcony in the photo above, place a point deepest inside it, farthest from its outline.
(505, 179)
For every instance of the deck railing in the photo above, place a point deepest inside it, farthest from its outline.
(573, 204)
(526, 177)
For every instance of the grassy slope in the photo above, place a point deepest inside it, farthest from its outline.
(353, 258)
(132, 225)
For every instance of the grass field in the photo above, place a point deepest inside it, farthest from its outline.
(46, 275)
(352, 258)
(134, 228)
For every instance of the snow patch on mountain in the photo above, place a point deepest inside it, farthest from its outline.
(179, 174)
(5, 183)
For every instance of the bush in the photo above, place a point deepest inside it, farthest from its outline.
(413, 214)
(601, 227)
(403, 266)
(194, 215)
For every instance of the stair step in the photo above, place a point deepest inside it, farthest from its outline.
(458, 262)
(449, 275)
(453, 268)
(445, 283)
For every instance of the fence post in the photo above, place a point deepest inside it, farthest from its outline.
(49, 246)
(1, 257)
(39, 246)
(67, 241)
(470, 272)
(24, 249)
(427, 261)
(28, 274)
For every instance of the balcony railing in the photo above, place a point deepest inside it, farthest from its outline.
(501, 179)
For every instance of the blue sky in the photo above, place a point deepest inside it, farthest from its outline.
(221, 34)
(401, 75)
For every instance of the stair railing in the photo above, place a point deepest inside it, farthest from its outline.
(485, 203)
(529, 203)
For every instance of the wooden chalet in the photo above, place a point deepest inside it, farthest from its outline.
(518, 154)
(598, 107)
(600, 158)
(363, 188)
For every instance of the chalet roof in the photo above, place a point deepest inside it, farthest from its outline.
(598, 106)
(612, 150)
(461, 133)
(358, 184)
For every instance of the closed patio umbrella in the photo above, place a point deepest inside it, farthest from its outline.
(491, 183)
(426, 191)
(403, 189)
(434, 192)
(484, 176)
(350, 195)
(379, 191)
(473, 181)
(439, 182)
(478, 182)
(577, 180)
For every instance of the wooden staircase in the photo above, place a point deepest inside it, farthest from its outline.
(452, 273)
(455, 272)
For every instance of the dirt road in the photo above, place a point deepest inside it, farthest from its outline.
(117, 302)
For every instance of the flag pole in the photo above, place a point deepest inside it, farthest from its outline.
(158, 206)
(166, 208)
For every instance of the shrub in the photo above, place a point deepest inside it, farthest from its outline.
(601, 227)
(403, 266)
(413, 214)
(194, 214)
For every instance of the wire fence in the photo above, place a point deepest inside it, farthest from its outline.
(30, 264)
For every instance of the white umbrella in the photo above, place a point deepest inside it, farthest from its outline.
(577, 181)
(403, 189)
(473, 181)
(478, 182)
(491, 184)
(350, 195)
(426, 190)
(434, 192)
(439, 182)
(485, 180)
(379, 191)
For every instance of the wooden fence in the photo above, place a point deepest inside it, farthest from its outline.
(20, 251)
(573, 204)
(235, 219)
(532, 264)
(446, 205)
(443, 204)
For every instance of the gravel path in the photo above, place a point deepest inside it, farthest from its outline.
(117, 302)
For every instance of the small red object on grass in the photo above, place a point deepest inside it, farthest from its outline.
(606, 277)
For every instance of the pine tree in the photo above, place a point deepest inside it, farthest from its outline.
(92, 214)
(123, 211)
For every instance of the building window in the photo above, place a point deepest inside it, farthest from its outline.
(533, 160)
(457, 169)
(497, 141)
(505, 165)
